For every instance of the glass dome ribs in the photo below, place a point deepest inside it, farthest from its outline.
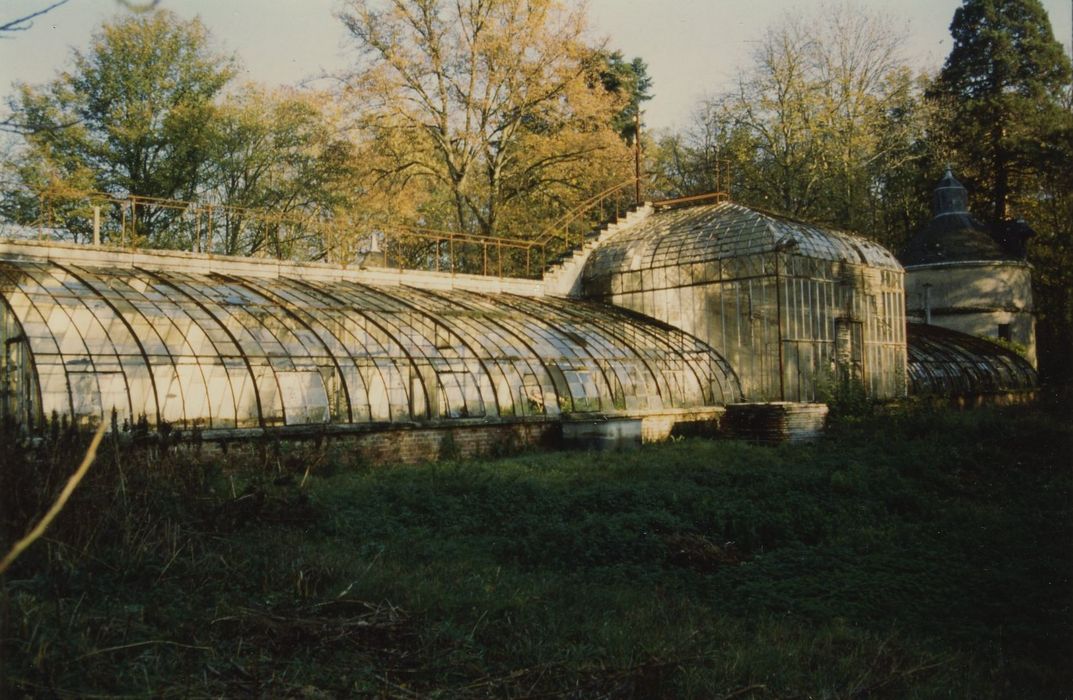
(782, 300)
(677, 238)
(222, 351)
(943, 362)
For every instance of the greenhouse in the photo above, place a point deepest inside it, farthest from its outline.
(791, 306)
(947, 363)
(245, 344)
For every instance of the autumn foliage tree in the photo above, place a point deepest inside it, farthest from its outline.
(149, 110)
(284, 154)
(482, 116)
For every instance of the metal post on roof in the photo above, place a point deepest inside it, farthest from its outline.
(96, 224)
(637, 155)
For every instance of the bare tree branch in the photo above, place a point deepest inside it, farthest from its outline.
(23, 23)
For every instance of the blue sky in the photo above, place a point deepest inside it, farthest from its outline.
(693, 47)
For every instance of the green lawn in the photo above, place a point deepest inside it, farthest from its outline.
(912, 555)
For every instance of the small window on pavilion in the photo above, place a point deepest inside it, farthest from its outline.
(1004, 332)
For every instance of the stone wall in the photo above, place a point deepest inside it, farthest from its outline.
(975, 298)
(412, 444)
(394, 444)
(777, 422)
(704, 422)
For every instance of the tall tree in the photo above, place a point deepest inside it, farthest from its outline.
(1004, 92)
(129, 118)
(494, 109)
(816, 125)
(1000, 87)
(275, 156)
(629, 79)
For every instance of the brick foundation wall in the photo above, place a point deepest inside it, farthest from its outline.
(396, 445)
(424, 445)
(411, 444)
(775, 422)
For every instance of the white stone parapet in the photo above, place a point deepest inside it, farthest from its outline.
(206, 263)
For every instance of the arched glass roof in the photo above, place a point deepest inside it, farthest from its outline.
(694, 234)
(943, 362)
(223, 351)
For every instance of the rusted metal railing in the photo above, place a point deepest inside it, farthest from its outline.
(203, 227)
(714, 196)
(560, 228)
(449, 251)
(137, 221)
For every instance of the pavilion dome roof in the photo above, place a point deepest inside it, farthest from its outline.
(952, 234)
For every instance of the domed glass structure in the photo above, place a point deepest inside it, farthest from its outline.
(790, 305)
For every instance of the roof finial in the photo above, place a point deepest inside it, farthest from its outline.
(950, 195)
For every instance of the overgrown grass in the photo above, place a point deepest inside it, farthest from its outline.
(910, 555)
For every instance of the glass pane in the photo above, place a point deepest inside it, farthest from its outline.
(304, 397)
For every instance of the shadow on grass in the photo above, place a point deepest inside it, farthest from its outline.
(912, 554)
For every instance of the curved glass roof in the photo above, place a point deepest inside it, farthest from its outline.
(222, 351)
(943, 362)
(678, 236)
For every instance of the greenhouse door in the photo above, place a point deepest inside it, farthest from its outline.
(849, 350)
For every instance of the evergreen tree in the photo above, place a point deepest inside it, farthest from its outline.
(1004, 93)
(629, 79)
(1000, 89)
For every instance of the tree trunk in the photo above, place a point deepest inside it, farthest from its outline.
(1001, 189)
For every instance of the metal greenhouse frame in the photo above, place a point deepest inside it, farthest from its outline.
(791, 306)
(232, 345)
